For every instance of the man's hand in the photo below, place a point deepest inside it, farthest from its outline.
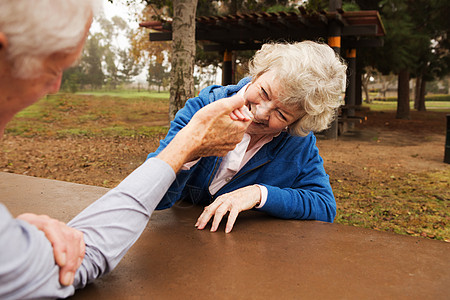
(68, 244)
(234, 202)
(210, 132)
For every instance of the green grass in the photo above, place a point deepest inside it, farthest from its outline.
(64, 115)
(415, 205)
(442, 106)
(127, 94)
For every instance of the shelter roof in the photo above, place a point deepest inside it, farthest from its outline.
(248, 31)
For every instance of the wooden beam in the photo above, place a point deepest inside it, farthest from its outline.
(234, 47)
(160, 36)
(363, 43)
(360, 30)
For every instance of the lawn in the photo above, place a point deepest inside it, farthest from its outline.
(392, 105)
(389, 178)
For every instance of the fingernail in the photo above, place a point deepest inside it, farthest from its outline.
(248, 112)
(68, 278)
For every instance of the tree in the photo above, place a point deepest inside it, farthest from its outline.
(92, 62)
(183, 54)
(128, 66)
(102, 61)
(157, 74)
(416, 45)
(432, 24)
(398, 54)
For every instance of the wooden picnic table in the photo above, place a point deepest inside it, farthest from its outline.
(262, 258)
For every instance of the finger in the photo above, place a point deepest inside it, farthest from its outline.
(244, 109)
(55, 235)
(231, 220)
(239, 114)
(66, 277)
(82, 251)
(233, 116)
(204, 217)
(52, 231)
(220, 212)
(74, 253)
(38, 221)
(232, 103)
(74, 250)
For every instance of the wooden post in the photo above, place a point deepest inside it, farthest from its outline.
(227, 67)
(447, 142)
(334, 41)
(351, 79)
(358, 86)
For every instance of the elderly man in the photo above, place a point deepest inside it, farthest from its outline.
(41, 257)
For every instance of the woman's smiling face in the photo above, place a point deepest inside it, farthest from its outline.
(270, 115)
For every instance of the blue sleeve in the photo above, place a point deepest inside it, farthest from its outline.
(205, 97)
(310, 198)
(182, 117)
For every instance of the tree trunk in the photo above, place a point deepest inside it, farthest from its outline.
(417, 92)
(358, 92)
(365, 88)
(403, 95)
(183, 54)
(421, 98)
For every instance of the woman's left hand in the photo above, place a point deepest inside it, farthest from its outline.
(234, 202)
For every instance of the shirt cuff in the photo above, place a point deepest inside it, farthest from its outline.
(189, 165)
(264, 193)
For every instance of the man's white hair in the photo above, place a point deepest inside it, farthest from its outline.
(311, 77)
(38, 28)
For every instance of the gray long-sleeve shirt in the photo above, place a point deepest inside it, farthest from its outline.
(110, 225)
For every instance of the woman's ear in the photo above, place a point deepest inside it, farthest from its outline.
(3, 41)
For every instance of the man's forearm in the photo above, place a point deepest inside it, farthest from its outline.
(180, 150)
(113, 223)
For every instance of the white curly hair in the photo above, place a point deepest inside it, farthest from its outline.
(39, 28)
(311, 77)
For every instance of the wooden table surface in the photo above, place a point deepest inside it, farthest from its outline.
(262, 258)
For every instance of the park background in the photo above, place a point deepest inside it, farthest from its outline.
(387, 173)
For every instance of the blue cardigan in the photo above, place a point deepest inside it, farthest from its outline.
(289, 166)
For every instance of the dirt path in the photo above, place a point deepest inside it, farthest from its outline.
(387, 174)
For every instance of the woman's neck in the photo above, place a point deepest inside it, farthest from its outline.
(255, 138)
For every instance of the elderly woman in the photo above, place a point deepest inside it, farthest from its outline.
(293, 90)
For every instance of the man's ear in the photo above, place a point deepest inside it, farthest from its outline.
(3, 41)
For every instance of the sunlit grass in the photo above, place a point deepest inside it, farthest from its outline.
(414, 204)
(441, 106)
(87, 115)
(128, 94)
